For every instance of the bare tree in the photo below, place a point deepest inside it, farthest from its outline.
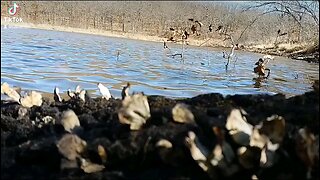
(299, 11)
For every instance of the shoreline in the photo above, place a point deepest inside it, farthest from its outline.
(293, 51)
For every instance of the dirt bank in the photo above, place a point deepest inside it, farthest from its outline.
(29, 151)
(294, 51)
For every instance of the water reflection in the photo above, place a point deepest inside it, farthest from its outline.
(41, 60)
(258, 82)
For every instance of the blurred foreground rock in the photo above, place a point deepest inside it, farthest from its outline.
(261, 136)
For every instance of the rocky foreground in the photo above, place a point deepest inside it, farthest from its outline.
(32, 140)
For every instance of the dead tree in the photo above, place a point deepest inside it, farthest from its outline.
(298, 11)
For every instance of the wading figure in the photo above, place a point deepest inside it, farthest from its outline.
(260, 69)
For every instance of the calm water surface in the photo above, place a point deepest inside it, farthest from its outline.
(40, 60)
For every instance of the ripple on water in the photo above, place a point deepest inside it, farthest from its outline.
(39, 60)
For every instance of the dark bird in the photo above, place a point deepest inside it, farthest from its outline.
(259, 62)
(165, 45)
(56, 95)
(282, 34)
(190, 19)
(279, 31)
(199, 23)
(193, 29)
(210, 28)
(219, 28)
(186, 35)
(125, 91)
(171, 39)
(171, 29)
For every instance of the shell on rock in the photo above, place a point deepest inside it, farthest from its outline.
(274, 128)
(89, 167)
(12, 93)
(69, 120)
(307, 148)
(164, 143)
(198, 151)
(135, 111)
(31, 99)
(102, 153)
(238, 127)
(70, 146)
(182, 114)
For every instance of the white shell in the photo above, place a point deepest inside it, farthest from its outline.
(135, 111)
(69, 120)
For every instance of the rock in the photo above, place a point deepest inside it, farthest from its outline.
(71, 146)
(223, 156)
(69, 120)
(249, 157)
(163, 149)
(102, 153)
(68, 164)
(89, 167)
(135, 111)
(164, 143)
(257, 139)
(181, 114)
(307, 149)
(198, 151)
(238, 127)
(32, 99)
(268, 136)
(274, 128)
(13, 94)
(22, 112)
(268, 155)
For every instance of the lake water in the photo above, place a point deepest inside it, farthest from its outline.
(40, 60)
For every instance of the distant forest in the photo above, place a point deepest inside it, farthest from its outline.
(246, 23)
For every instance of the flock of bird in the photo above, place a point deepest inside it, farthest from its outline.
(194, 30)
(82, 94)
(260, 69)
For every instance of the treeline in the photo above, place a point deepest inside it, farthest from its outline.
(155, 18)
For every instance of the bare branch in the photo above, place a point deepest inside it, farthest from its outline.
(253, 21)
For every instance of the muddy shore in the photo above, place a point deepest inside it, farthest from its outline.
(29, 151)
(295, 51)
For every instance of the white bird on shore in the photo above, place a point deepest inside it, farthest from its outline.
(56, 95)
(82, 95)
(78, 89)
(104, 91)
